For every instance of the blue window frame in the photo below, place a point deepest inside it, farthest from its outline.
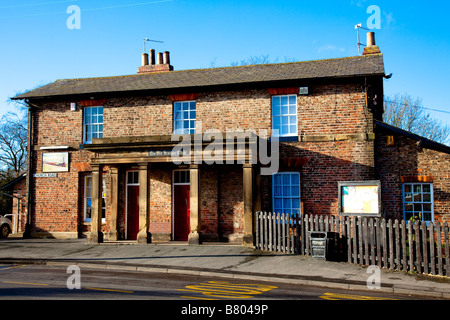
(418, 203)
(184, 116)
(286, 192)
(284, 116)
(93, 123)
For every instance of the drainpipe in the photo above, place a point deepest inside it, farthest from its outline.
(27, 233)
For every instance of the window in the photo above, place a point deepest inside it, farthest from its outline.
(184, 117)
(286, 192)
(133, 178)
(88, 198)
(181, 177)
(93, 123)
(284, 115)
(418, 201)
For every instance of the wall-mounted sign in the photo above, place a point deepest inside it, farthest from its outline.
(45, 175)
(55, 162)
(360, 198)
(168, 153)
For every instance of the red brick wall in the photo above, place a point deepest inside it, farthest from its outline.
(328, 109)
(405, 158)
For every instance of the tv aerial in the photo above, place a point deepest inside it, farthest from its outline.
(357, 27)
(149, 40)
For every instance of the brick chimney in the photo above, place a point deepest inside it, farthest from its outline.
(371, 48)
(149, 65)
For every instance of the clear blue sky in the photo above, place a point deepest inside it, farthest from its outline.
(37, 47)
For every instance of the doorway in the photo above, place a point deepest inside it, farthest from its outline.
(132, 221)
(181, 205)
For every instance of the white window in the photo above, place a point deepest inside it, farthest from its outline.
(184, 117)
(284, 115)
(88, 199)
(93, 123)
(418, 201)
(286, 192)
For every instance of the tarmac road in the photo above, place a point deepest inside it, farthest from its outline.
(41, 282)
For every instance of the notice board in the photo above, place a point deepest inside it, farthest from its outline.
(360, 198)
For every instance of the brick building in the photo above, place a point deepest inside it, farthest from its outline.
(102, 162)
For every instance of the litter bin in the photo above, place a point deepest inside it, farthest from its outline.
(318, 241)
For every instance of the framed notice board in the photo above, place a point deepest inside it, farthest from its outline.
(360, 198)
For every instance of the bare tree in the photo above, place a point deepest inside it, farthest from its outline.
(408, 114)
(13, 144)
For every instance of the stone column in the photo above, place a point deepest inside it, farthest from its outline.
(248, 204)
(96, 235)
(143, 235)
(114, 172)
(194, 236)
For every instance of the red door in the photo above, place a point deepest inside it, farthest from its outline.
(182, 212)
(132, 212)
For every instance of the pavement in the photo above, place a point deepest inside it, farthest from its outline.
(218, 260)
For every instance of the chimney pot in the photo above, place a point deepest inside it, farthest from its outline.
(166, 57)
(152, 57)
(370, 39)
(144, 59)
(160, 58)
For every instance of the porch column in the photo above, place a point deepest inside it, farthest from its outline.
(143, 236)
(114, 172)
(96, 235)
(248, 204)
(194, 237)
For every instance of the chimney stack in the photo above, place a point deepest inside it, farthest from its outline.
(162, 62)
(371, 48)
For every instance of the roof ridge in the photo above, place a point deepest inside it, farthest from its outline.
(218, 68)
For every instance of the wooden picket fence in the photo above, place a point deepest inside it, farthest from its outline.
(391, 244)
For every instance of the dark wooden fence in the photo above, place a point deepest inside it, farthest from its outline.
(391, 244)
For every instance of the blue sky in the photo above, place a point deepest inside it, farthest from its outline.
(37, 47)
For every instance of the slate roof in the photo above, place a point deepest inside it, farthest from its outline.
(369, 65)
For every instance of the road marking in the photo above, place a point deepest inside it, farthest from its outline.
(110, 290)
(6, 268)
(342, 296)
(224, 289)
(197, 298)
(27, 283)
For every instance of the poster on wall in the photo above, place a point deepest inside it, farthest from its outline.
(360, 198)
(55, 162)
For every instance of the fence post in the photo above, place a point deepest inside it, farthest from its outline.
(391, 245)
(424, 246)
(447, 249)
(418, 247)
(432, 249)
(384, 242)
(397, 245)
(405, 262)
(439, 248)
(412, 252)
(378, 241)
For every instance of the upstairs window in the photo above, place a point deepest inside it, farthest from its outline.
(184, 117)
(284, 115)
(93, 123)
